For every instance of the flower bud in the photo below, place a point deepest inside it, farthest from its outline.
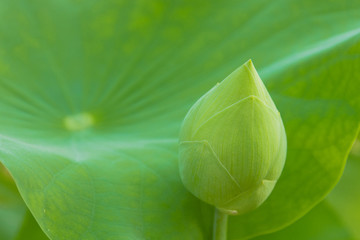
(233, 144)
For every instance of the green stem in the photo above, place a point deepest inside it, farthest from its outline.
(220, 225)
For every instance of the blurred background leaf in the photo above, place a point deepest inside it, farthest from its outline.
(321, 223)
(345, 198)
(30, 229)
(12, 208)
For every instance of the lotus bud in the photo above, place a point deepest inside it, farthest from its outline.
(233, 144)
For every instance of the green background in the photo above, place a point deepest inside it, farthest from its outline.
(124, 74)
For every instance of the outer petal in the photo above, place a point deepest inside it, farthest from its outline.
(204, 175)
(241, 83)
(246, 136)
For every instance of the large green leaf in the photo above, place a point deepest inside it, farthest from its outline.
(320, 129)
(336, 217)
(92, 95)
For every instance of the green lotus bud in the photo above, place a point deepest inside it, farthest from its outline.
(233, 144)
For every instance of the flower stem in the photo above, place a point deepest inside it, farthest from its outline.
(220, 225)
